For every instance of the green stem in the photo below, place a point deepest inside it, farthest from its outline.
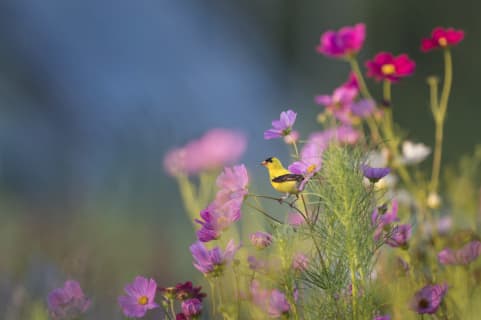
(439, 118)
(296, 150)
(263, 212)
(371, 122)
(188, 196)
(212, 297)
(172, 310)
(360, 79)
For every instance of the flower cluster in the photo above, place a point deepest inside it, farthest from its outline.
(226, 208)
(68, 301)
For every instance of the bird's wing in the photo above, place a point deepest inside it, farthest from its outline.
(288, 177)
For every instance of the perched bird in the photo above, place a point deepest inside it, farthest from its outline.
(282, 180)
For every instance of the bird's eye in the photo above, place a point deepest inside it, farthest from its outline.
(268, 160)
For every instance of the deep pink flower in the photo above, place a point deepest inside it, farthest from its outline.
(67, 302)
(399, 236)
(261, 240)
(442, 38)
(211, 262)
(385, 66)
(140, 297)
(428, 299)
(340, 44)
(215, 149)
(382, 317)
(191, 308)
(463, 256)
(183, 291)
(281, 127)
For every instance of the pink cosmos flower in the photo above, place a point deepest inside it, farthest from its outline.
(382, 317)
(300, 262)
(399, 236)
(140, 297)
(428, 299)
(226, 208)
(442, 38)
(278, 304)
(281, 127)
(311, 154)
(272, 302)
(215, 149)
(339, 103)
(191, 308)
(211, 262)
(382, 219)
(340, 44)
(67, 302)
(261, 240)
(352, 82)
(295, 219)
(385, 66)
(463, 256)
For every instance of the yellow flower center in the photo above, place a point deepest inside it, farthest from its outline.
(143, 300)
(311, 168)
(443, 42)
(388, 69)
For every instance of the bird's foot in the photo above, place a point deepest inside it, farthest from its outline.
(283, 198)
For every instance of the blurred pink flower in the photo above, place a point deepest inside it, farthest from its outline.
(260, 239)
(340, 44)
(300, 262)
(226, 207)
(139, 298)
(67, 302)
(442, 38)
(295, 219)
(215, 149)
(428, 299)
(211, 262)
(385, 66)
(463, 256)
(273, 302)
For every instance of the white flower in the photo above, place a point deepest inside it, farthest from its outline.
(414, 153)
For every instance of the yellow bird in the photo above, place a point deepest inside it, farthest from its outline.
(282, 180)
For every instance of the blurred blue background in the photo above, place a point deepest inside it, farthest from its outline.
(93, 93)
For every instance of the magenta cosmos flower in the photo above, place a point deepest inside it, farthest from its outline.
(442, 38)
(382, 318)
(282, 127)
(463, 256)
(340, 44)
(428, 299)
(211, 262)
(139, 298)
(385, 66)
(67, 302)
(215, 149)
